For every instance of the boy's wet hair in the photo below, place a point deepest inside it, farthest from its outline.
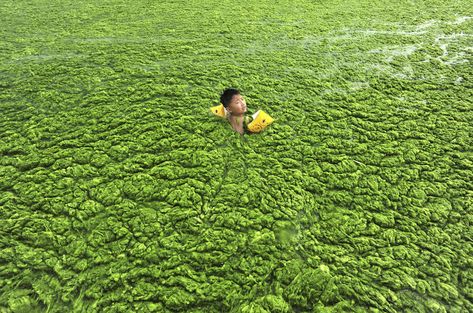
(227, 96)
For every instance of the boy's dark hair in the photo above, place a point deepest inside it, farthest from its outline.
(227, 96)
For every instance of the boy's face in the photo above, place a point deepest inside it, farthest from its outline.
(237, 106)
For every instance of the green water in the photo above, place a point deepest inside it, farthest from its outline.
(120, 192)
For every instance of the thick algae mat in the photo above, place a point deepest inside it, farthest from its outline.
(120, 192)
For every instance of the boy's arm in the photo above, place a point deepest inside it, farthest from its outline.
(248, 119)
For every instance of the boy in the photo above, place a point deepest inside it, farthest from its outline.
(235, 105)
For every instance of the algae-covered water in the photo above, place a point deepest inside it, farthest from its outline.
(121, 192)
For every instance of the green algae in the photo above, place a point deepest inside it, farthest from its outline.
(119, 191)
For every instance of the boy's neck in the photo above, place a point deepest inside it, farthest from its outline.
(236, 120)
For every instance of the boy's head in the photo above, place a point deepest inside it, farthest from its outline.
(233, 101)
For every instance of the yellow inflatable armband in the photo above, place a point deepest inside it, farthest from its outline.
(260, 121)
(219, 110)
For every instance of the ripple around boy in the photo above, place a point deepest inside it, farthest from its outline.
(233, 107)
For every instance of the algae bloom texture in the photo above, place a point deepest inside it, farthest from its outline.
(121, 192)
